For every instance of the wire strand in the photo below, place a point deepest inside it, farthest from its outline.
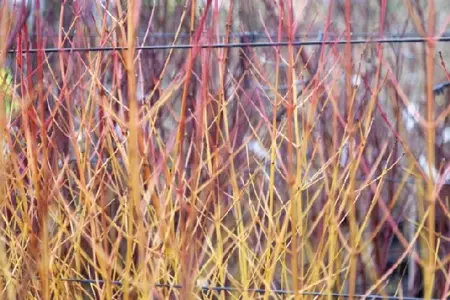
(240, 45)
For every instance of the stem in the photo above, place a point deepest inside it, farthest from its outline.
(135, 214)
(295, 194)
(429, 269)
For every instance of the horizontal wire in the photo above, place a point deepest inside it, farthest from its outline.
(240, 45)
(257, 291)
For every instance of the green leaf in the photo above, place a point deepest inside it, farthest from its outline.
(6, 88)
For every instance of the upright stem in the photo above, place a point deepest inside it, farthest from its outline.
(429, 268)
(294, 194)
(216, 133)
(351, 141)
(135, 214)
(43, 196)
(273, 153)
(179, 152)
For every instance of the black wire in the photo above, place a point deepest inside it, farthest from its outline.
(257, 291)
(241, 45)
